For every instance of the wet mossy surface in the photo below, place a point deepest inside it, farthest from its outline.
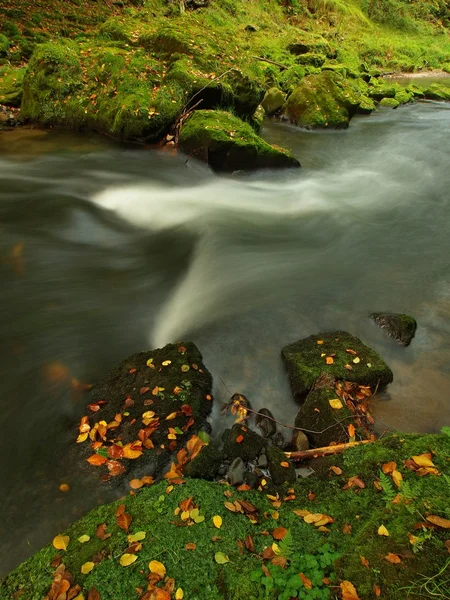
(306, 360)
(357, 512)
(228, 144)
(242, 442)
(11, 85)
(400, 327)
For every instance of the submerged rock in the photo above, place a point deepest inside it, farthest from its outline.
(144, 412)
(264, 421)
(325, 100)
(337, 353)
(228, 144)
(398, 326)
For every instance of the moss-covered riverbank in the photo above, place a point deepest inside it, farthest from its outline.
(133, 70)
(359, 519)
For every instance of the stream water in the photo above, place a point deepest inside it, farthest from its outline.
(106, 250)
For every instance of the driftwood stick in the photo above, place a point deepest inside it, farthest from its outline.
(272, 62)
(325, 451)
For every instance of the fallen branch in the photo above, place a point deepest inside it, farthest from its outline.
(325, 451)
(272, 62)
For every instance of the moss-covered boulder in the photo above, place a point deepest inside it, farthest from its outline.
(4, 46)
(280, 469)
(273, 100)
(437, 92)
(326, 100)
(337, 353)
(400, 327)
(311, 58)
(290, 78)
(209, 563)
(403, 96)
(389, 103)
(228, 144)
(206, 464)
(308, 45)
(366, 105)
(242, 442)
(11, 85)
(144, 412)
(384, 89)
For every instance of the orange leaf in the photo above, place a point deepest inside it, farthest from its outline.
(347, 529)
(393, 558)
(115, 468)
(376, 590)
(239, 439)
(439, 521)
(133, 450)
(389, 467)
(190, 546)
(96, 460)
(124, 521)
(284, 464)
(348, 591)
(135, 484)
(364, 561)
(336, 470)
(351, 430)
(306, 581)
(329, 360)
(279, 533)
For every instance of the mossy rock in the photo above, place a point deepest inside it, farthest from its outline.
(279, 472)
(328, 424)
(305, 363)
(437, 92)
(290, 78)
(403, 97)
(168, 40)
(316, 554)
(400, 327)
(384, 90)
(206, 464)
(4, 46)
(326, 100)
(228, 144)
(312, 59)
(310, 46)
(114, 29)
(242, 442)
(146, 386)
(389, 103)
(273, 101)
(257, 119)
(11, 86)
(366, 106)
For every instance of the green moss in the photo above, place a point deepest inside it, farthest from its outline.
(437, 92)
(273, 100)
(325, 100)
(229, 144)
(279, 472)
(239, 441)
(312, 59)
(305, 363)
(11, 85)
(114, 29)
(403, 97)
(290, 78)
(4, 46)
(389, 103)
(206, 464)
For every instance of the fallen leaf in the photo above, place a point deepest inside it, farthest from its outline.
(100, 532)
(133, 450)
(364, 562)
(393, 558)
(347, 529)
(376, 590)
(348, 591)
(96, 460)
(279, 533)
(383, 531)
(127, 559)
(439, 521)
(351, 432)
(87, 567)
(157, 567)
(136, 537)
(171, 416)
(423, 460)
(221, 558)
(84, 538)
(306, 581)
(239, 439)
(124, 521)
(336, 470)
(336, 403)
(350, 351)
(389, 467)
(397, 477)
(166, 363)
(64, 487)
(60, 542)
(320, 342)
(356, 360)
(217, 520)
(329, 360)
(279, 561)
(190, 546)
(135, 484)
(179, 594)
(284, 464)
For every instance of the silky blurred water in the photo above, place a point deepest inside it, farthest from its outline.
(106, 250)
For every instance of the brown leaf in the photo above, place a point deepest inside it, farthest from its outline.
(306, 581)
(115, 451)
(249, 543)
(349, 351)
(447, 545)
(376, 590)
(279, 533)
(279, 561)
(336, 470)
(96, 460)
(247, 506)
(101, 532)
(364, 562)
(389, 467)
(268, 553)
(348, 591)
(124, 521)
(393, 558)
(439, 521)
(115, 468)
(347, 529)
(190, 546)
(329, 360)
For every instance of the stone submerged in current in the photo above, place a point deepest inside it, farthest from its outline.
(328, 352)
(400, 327)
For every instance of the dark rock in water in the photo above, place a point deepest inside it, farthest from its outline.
(241, 399)
(262, 461)
(228, 144)
(398, 326)
(300, 440)
(264, 421)
(236, 472)
(127, 412)
(317, 415)
(240, 441)
(280, 441)
(280, 474)
(206, 464)
(337, 353)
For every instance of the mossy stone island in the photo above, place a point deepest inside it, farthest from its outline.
(400, 327)
(340, 355)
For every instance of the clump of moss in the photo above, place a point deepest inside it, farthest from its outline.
(228, 144)
(389, 103)
(11, 86)
(242, 442)
(4, 46)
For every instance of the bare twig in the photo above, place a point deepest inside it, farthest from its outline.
(272, 62)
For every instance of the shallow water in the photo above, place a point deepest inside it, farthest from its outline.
(106, 250)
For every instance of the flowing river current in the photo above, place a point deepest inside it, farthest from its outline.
(106, 250)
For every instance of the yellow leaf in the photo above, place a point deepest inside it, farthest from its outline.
(166, 363)
(383, 531)
(276, 548)
(171, 416)
(87, 567)
(79, 597)
(185, 368)
(82, 437)
(179, 594)
(217, 520)
(397, 477)
(132, 450)
(84, 538)
(423, 460)
(136, 537)
(127, 559)
(320, 342)
(60, 542)
(356, 360)
(150, 363)
(157, 567)
(336, 403)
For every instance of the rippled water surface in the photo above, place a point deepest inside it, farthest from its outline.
(106, 250)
